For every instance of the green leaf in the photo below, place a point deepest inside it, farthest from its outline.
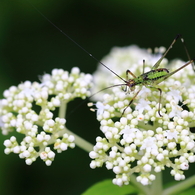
(106, 187)
(190, 191)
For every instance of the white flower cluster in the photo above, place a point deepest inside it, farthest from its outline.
(29, 109)
(141, 141)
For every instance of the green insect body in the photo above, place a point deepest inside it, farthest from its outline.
(152, 78)
(149, 79)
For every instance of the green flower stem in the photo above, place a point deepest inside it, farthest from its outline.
(156, 186)
(143, 189)
(80, 142)
(62, 109)
(180, 186)
(142, 125)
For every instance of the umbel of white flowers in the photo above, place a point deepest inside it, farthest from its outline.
(139, 142)
(29, 110)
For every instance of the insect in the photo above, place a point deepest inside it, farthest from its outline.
(155, 76)
(149, 79)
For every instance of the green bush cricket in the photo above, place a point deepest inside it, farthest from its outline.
(156, 75)
(149, 79)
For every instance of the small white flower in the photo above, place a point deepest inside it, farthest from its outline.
(147, 168)
(128, 132)
(29, 161)
(160, 157)
(176, 110)
(144, 92)
(63, 146)
(75, 70)
(149, 144)
(93, 154)
(143, 105)
(144, 181)
(178, 177)
(171, 145)
(101, 108)
(7, 143)
(190, 145)
(184, 166)
(174, 95)
(171, 134)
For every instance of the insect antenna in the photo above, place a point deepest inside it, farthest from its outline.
(78, 106)
(82, 48)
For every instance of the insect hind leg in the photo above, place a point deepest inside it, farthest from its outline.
(187, 52)
(179, 36)
(160, 90)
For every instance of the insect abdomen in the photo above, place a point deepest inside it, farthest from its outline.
(156, 74)
(152, 77)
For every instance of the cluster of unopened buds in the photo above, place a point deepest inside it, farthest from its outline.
(29, 109)
(139, 141)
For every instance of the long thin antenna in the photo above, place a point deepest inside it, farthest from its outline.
(118, 85)
(75, 41)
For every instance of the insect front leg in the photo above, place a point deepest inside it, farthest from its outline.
(130, 102)
(127, 74)
(128, 80)
(160, 90)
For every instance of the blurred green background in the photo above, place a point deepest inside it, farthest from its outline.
(30, 46)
